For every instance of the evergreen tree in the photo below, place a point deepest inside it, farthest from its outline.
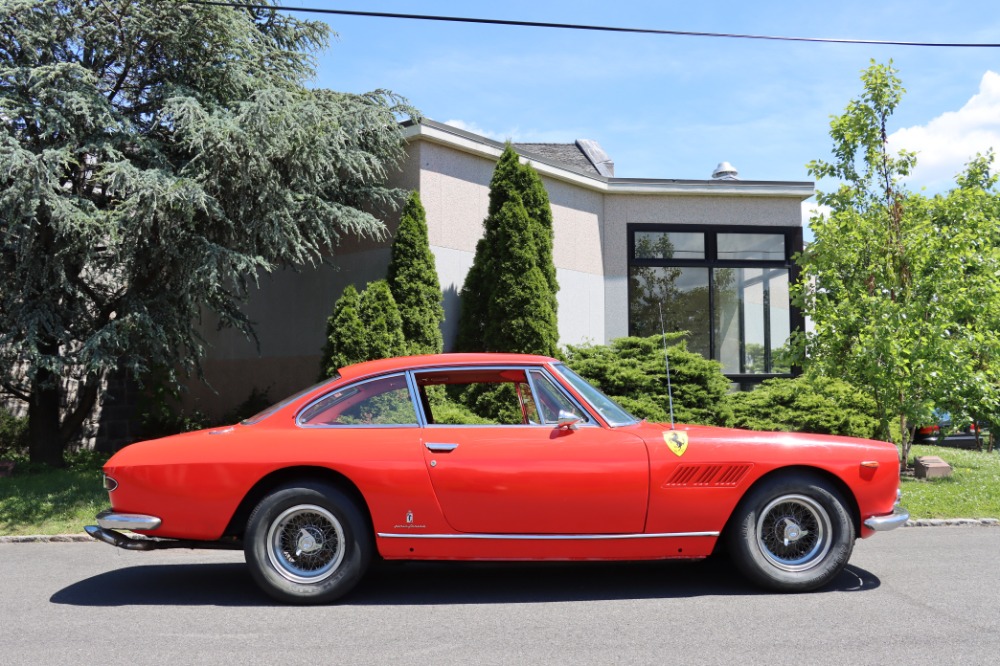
(383, 325)
(413, 280)
(346, 337)
(509, 296)
(520, 316)
(153, 156)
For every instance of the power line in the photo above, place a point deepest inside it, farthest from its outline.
(593, 28)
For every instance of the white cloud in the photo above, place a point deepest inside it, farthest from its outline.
(476, 129)
(945, 144)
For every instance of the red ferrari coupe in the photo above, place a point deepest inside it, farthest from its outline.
(384, 461)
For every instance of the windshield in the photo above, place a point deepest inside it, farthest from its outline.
(260, 416)
(605, 406)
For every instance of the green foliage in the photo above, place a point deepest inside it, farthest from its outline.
(346, 338)
(382, 323)
(13, 433)
(413, 280)
(509, 296)
(902, 290)
(632, 372)
(154, 158)
(446, 410)
(805, 404)
(362, 328)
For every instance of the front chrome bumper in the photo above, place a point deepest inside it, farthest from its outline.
(897, 518)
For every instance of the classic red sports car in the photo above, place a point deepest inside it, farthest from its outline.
(383, 460)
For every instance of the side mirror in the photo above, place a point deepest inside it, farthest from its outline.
(567, 420)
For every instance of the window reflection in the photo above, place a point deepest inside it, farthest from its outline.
(683, 293)
(669, 245)
(752, 322)
(751, 247)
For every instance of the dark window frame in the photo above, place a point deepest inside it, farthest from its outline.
(793, 246)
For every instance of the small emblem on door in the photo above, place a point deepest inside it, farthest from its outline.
(409, 517)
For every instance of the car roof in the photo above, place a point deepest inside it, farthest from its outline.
(436, 360)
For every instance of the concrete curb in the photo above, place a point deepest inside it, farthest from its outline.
(954, 522)
(922, 522)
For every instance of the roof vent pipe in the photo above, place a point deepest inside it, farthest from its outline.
(725, 171)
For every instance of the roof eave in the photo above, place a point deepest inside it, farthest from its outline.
(459, 139)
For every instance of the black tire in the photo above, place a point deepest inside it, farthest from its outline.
(791, 533)
(307, 543)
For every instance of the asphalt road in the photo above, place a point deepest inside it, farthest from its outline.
(913, 596)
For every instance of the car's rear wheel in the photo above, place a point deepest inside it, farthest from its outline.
(792, 533)
(307, 543)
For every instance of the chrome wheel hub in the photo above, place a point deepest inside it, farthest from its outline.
(794, 532)
(305, 544)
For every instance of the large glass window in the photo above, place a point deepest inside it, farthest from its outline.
(726, 287)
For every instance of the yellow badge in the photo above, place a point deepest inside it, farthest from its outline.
(677, 441)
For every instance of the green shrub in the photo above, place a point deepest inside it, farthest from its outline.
(632, 372)
(413, 280)
(805, 404)
(13, 433)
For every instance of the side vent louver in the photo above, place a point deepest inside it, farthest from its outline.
(708, 475)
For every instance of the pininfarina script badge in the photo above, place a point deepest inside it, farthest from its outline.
(677, 441)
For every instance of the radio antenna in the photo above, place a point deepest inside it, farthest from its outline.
(666, 360)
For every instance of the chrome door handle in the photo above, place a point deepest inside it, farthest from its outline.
(440, 447)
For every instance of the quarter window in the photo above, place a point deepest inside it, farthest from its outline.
(384, 401)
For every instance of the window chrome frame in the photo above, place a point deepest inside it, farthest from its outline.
(586, 410)
(341, 426)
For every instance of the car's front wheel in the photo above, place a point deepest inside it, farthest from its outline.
(307, 543)
(792, 533)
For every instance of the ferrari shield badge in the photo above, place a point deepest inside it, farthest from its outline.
(677, 441)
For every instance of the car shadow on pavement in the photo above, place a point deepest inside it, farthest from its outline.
(421, 583)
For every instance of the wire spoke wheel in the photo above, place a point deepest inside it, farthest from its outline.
(305, 543)
(793, 532)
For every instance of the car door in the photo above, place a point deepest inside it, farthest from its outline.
(535, 477)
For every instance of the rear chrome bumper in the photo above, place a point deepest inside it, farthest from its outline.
(897, 518)
(110, 520)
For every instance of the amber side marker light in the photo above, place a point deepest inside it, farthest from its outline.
(109, 483)
(870, 464)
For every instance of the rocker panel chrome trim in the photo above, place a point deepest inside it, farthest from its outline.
(549, 537)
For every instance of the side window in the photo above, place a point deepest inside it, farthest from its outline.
(382, 401)
(551, 400)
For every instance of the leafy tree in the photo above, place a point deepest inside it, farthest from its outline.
(382, 323)
(154, 157)
(632, 371)
(413, 280)
(509, 295)
(809, 403)
(901, 289)
(346, 337)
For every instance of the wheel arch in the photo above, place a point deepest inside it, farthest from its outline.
(290, 475)
(800, 470)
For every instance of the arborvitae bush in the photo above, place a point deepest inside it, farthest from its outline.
(382, 324)
(805, 404)
(346, 337)
(509, 295)
(413, 280)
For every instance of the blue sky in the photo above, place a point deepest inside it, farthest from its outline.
(672, 106)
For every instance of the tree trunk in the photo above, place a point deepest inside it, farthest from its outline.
(45, 445)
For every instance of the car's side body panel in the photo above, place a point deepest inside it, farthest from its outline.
(497, 492)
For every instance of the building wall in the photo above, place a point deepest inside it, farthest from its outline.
(290, 307)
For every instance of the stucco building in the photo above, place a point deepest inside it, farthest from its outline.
(716, 253)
